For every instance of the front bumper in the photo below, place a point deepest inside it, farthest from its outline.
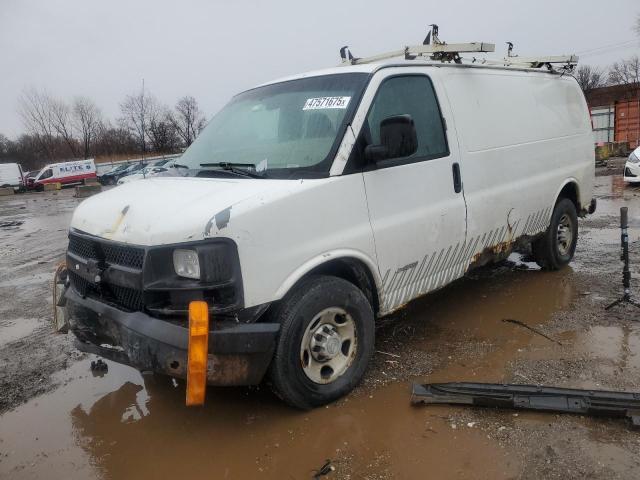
(632, 172)
(239, 353)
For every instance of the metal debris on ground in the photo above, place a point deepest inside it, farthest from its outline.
(531, 397)
(624, 256)
(534, 330)
(99, 366)
(11, 223)
(324, 470)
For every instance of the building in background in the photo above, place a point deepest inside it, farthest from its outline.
(615, 114)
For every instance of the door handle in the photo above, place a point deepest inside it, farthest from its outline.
(457, 178)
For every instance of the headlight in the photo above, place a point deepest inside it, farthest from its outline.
(186, 263)
(633, 158)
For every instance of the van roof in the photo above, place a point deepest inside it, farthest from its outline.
(375, 66)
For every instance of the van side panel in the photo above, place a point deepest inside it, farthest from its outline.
(11, 174)
(523, 135)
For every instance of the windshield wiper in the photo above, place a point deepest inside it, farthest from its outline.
(233, 167)
(179, 165)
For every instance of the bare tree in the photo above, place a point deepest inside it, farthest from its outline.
(62, 123)
(162, 131)
(137, 111)
(187, 119)
(589, 78)
(626, 72)
(35, 110)
(5, 145)
(87, 120)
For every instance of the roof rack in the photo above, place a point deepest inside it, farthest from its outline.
(568, 62)
(437, 50)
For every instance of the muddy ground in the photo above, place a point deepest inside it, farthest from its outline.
(58, 420)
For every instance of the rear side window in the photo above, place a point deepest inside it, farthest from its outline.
(413, 95)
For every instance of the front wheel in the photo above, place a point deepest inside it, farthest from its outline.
(326, 341)
(555, 248)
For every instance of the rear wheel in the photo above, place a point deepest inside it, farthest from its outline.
(555, 248)
(325, 343)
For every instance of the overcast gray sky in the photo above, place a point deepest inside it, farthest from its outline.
(213, 49)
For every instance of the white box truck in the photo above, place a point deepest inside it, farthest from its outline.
(11, 175)
(318, 203)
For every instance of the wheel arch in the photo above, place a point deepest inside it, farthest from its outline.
(570, 190)
(350, 265)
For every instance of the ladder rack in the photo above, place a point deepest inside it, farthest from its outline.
(443, 50)
(437, 50)
(568, 61)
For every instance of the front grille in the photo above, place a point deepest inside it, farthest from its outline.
(121, 297)
(82, 247)
(123, 255)
(127, 297)
(79, 284)
(107, 253)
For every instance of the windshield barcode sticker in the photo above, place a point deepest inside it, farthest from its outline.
(326, 102)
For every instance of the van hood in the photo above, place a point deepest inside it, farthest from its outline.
(159, 211)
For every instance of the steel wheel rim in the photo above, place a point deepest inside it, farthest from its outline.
(329, 345)
(564, 235)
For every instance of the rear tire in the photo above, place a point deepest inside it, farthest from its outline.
(326, 341)
(555, 248)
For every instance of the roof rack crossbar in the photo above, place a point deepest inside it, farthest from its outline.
(569, 61)
(411, 52)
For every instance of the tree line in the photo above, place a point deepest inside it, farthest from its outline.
(57, 129)
(625, 72)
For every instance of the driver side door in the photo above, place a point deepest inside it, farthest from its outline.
(416, 204)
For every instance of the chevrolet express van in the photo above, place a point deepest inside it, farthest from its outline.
(316, 204)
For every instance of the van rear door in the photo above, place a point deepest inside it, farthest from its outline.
(417, 213)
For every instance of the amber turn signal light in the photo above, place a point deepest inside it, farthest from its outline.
(198, 352)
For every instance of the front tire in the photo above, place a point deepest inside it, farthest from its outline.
(326, 341)
(555, 248)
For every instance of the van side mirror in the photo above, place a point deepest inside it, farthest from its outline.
(398, 139)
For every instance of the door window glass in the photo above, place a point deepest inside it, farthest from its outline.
(46, 174)
(413, 95)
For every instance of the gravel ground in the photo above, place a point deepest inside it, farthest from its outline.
(57, 419)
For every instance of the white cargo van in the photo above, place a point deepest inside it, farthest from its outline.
(318, 203)
(73, 172)
(11, 175)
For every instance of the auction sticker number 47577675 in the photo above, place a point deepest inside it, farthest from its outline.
(320, 103)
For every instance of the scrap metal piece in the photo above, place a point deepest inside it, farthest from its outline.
(624, 256)
(531, 397)
(60, 320)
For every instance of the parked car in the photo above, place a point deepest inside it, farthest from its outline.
(66, 173)
(317, 204)
(632, 167)
(131, 169)
(11, 175)
(161, 168)
(111, 177)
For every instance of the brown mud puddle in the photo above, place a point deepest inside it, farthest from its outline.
(125, 425)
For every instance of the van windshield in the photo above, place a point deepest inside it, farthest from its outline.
(285, 130)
